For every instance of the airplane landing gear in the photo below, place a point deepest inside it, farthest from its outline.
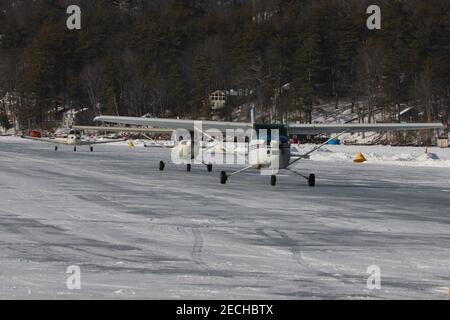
(161, 165)
(312, 180)
(273, 180)
(74, 149)
(188, 167)
(56, 148)
(223, 177)
(91, 148)
(209, 167)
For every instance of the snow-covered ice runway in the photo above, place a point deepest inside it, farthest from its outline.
(137, 232)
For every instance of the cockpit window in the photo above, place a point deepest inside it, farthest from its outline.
(263, 132)
(75, 132)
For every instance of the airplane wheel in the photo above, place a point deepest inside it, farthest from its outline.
(209, 167)
(188, 168)
(91, 148)
(223, 177)
(161, 165)
(74, 149)
(273, 180)
(56, 148)
(312, 180)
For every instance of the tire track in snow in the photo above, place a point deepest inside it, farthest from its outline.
(280, 238)
(197, 247)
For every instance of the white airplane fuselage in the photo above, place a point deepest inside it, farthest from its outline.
(269, 155)
(186, 150)
(73, 140)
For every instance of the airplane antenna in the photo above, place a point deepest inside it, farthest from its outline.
(253, 114)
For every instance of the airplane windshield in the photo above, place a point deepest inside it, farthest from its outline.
(75, 132)
(263, 132)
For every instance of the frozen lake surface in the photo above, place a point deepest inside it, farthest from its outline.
(137, 232)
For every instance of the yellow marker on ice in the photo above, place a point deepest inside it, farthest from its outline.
(359, 158)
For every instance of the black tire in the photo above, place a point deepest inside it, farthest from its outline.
(91, 148)
(74, 149)
(188, 167)
(161, 165)
(209, 167)
(223, 177)
(56, 148)
(312, 180)
(273, 180)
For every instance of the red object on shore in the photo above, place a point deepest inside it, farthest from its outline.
(294, 139)
(34, 134)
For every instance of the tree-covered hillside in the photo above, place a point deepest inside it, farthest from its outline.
(165, 57)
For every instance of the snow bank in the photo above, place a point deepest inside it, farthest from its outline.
(410, 156)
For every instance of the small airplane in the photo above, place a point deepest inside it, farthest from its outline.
(183, 148)
(264, 151)
(142, 131)
(73, 139)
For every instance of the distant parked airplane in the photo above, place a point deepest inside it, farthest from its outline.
(73, 139)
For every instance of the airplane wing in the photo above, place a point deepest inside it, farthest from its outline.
(92, 142)
(64, 141)
(358, 127)
(49, 140)
(174, 123)
(293, 128)
(124, 129)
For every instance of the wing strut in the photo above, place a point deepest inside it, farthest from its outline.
(303, 156)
